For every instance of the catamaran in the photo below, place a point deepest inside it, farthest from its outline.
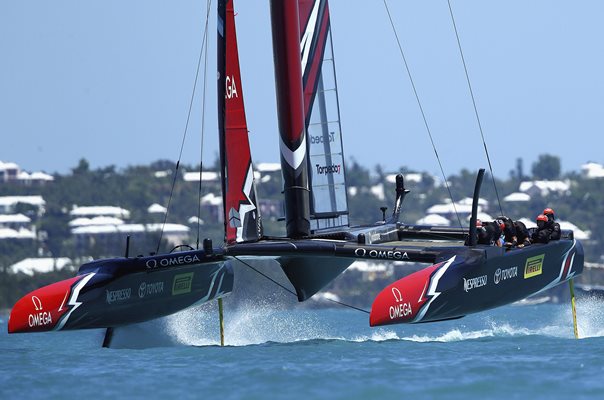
(461, 277)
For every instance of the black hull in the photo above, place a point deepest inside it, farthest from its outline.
(117, 292)
(484, 278)
(143, 296)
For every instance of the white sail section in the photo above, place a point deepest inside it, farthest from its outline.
(329, 204)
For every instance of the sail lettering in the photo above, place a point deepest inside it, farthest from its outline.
(231, 88)
(327, 137)
(328, 169)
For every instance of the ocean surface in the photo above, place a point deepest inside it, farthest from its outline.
(522, 352)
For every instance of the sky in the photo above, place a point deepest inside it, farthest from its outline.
(111, 81)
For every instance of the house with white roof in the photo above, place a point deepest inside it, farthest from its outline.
(544, 188)
(96, 221)
(14, 221)
(8, 171)
(157, 209)
(211, 208)
(449, 208)
(433, 220)
(114, 235)
(97, 211)
(267, 167)
(9, 203)
(19, 234)
(11, 172)
(29, 266)
(467, 201)
(17, 227)
(206, 176)
(592, 170)
(517, 197)
(34, 177)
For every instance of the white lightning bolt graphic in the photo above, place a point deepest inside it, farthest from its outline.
(73, 300)
(432, 290)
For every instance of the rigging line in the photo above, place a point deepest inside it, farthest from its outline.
(348, 305)
(400, 47)
(203, 117)
(463, 60)
(266, 276)
(184, 136)
(291, 291)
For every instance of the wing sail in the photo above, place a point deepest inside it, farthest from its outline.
(329, 204)
(241, 212)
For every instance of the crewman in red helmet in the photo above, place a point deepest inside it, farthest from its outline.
(543, 232)
(552, 224)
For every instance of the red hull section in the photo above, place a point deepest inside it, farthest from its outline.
(47, 308)
(404, 300)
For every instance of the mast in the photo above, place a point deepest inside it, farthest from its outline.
(290, 108)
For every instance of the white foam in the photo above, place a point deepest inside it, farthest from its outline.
(251, 323)
(256, 322)
(457, 334)
(379, 335)
(590, 318)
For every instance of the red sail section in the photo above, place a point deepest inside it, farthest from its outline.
(314, 27)
(241, 214)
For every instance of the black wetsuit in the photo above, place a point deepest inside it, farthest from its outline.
(542, 234)
(521, 233)
(509, 231)
(489, 233)
(555, 228)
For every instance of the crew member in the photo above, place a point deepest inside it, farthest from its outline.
(522, 234)
(510, 238)
(552, 224)
(481, 233)
(488, 233)
(543, 232)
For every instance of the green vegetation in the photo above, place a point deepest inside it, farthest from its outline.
(135, 188)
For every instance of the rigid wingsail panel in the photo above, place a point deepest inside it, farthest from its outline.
(241, 214)
(329, 205)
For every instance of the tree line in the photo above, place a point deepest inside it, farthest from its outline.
(135, 188)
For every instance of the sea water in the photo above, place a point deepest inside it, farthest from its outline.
(522, 352)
